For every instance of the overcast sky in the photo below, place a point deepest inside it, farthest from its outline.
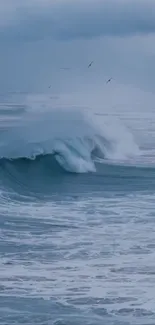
(38, 37)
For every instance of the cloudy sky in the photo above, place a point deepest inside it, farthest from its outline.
(38, 37)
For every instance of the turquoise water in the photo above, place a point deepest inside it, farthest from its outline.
(77, 220)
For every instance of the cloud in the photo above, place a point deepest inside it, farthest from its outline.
(77, 19)
(40, 36)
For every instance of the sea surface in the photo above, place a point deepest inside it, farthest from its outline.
(77, 213)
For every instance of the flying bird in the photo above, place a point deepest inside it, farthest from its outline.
(90, 64)
(65, 68)
(49, 86)
(109, 80)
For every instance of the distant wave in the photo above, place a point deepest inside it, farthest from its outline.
(74, 139)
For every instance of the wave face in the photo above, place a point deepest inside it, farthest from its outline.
(74, 138)
(58, 143)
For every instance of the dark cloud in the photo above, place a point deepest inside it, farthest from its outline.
(66, 20)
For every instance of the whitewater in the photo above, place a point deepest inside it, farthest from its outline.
(77, 186)
(74, 137)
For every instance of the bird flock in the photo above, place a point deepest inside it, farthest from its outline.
(89, 65)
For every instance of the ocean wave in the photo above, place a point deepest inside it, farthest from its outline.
(75, 139)
(44, 176)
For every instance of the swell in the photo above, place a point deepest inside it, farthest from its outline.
(75, 138)
(46, 148)
(44, 176)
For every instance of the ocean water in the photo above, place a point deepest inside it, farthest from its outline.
(77, 217)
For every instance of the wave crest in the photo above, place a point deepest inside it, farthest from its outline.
(76, 139)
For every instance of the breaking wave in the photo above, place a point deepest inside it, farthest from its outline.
(74, 139)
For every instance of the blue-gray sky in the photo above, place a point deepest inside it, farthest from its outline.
(76, 19)
(40, 36)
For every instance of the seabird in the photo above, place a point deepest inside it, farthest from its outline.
(109, 80)
(90, 64)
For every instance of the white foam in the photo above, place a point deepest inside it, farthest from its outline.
(72, 134)
(107, 254)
